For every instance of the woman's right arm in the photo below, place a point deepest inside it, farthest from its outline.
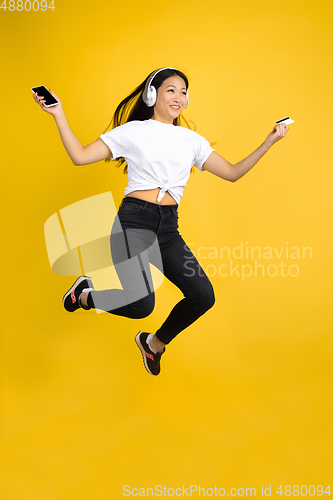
(79, 154)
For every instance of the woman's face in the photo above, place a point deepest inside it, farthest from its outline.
(171, 99)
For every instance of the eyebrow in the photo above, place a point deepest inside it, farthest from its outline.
(176, 87)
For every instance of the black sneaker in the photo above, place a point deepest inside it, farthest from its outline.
(71, 298)
(150, 359)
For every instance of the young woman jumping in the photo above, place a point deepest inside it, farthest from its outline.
(159, 154)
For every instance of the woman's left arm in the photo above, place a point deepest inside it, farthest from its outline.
(219, 166)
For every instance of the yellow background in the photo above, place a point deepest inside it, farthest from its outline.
(244, 398)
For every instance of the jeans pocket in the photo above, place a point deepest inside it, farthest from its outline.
(175, 212)
(127, 208)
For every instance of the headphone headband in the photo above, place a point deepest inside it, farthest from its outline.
(149, 94)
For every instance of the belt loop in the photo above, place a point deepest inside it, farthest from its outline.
(144, 206)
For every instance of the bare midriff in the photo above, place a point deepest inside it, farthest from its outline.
(151, 195)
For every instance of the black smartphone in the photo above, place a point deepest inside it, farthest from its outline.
(49, 99)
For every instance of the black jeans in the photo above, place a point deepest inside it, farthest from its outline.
(143, 233)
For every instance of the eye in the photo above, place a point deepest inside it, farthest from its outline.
(172, 90)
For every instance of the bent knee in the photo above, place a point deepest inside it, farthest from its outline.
(205, 300)
(144, 307)
(210, 299)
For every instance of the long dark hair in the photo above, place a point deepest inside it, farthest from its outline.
(134, 108)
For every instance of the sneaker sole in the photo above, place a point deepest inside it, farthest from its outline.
(143, 352)
(77, 282)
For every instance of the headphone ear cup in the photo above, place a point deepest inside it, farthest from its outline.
(187, 96)
(151, 96)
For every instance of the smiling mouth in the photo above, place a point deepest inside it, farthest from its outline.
(175, 107)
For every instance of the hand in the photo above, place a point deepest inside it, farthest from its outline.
(53, 110)
(278, 132)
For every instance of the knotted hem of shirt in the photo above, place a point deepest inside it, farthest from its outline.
(163, 189)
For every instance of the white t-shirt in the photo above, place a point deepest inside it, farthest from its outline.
(158, 155)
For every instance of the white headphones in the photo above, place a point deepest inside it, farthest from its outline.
(149, 94)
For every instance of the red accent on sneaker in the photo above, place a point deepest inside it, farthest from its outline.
(73, 297)
(150, 356)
